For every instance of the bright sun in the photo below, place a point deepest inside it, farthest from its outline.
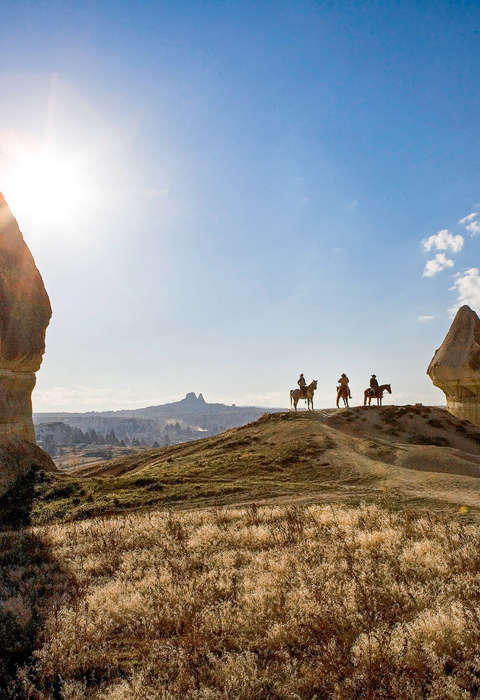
(47, 186)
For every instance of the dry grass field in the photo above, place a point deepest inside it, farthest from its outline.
(270, 602)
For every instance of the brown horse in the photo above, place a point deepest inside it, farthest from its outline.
(377, 394)
(307, 393)
(343, 393)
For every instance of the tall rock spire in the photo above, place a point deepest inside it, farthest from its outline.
(455, 367)
(24, 316)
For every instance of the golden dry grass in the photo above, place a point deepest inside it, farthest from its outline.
(254, 602)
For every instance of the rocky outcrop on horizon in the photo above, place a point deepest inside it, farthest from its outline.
(190, 418)
(455, 367)
(24, 316)
(58, 436)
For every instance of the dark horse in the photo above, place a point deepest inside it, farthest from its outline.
(376, 394)
(343, 393)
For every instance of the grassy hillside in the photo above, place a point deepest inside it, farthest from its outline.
(414, 456)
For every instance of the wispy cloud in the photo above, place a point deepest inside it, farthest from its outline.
(474, 227)
(425, 319)
(444, 240)
(468, 218)
(437, 264)
(471, 223)
(467, 286)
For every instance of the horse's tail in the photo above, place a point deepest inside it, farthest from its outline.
(291, 398)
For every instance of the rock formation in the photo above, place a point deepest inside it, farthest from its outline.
(24, 316)
(455, 367)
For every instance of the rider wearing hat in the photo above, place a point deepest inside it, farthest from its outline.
(343, 381)
(301, 382)
(373, 383)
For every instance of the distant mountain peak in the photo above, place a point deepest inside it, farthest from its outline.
(191, 397)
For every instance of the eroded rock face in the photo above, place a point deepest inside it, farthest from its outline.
(455, 367)
(24, 316)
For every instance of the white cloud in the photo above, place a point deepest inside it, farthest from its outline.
(425, 319)
(468, 218)
(467, 286)
(444, 240)
(471, 223)
(437, 264)
(473, 227)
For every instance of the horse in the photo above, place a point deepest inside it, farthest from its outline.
(377, 394)
(343, 393)
(307, 393)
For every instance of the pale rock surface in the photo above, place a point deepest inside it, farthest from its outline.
(24, 316)
(455, 367)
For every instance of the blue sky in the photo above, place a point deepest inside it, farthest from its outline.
(237, 192)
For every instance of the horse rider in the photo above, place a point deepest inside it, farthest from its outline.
(373, 384)
(343, 381)
(302, 383)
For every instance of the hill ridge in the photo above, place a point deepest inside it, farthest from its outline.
(420, 457)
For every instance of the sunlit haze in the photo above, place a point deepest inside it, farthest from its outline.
(222, 195)
(51, 186)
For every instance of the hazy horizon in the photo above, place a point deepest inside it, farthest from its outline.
(302, 406)
(220, 196)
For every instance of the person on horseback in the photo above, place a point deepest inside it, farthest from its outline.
(373, 384)
(343, 382)
(301, 382)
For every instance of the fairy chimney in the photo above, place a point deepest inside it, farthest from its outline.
(455, 367)
(24, 316)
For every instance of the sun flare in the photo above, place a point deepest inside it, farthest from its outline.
(47, 186)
